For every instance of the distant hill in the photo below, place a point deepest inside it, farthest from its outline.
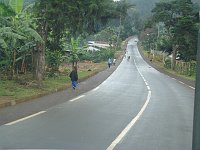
(144, 7)
(27, 2)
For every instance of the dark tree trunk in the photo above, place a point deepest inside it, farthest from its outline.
(39, 55)
(174, 53)
(12, 67)
(23, 65)
(39, 63)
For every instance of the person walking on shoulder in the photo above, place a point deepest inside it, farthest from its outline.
(74, 77)
(109, 62)
(114, 61)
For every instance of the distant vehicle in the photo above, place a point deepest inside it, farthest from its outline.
(177, 56)
(90, 48)
(91, 42)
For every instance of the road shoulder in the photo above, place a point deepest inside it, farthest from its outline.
(179, 78)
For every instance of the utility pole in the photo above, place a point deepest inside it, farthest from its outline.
(196, 121)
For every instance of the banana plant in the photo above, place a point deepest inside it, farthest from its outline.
(16, 31)
(75, 50)
(15, 5)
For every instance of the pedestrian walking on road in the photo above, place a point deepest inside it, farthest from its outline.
(114, 61)
(125, 54)
(109, 62)
(74, 77)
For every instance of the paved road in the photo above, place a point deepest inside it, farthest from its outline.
(137, 108)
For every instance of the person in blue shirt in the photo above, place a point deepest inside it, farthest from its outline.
(109, 62)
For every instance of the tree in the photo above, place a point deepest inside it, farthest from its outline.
(75, 51)
(77, 17)
(18, 35)
(185, 30)
(179, 19)
(122, 9)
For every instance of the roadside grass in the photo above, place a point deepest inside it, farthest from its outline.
(158, 62)
(12, 90)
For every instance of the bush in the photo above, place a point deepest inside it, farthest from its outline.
(66, 71)
(98, 56)
(167, 63)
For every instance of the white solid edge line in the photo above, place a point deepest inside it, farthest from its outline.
(130, 125)
(181, 82)
(25, 118)
(72, 100)
(148, 88)
(186, 84)
(192, 87)
(95, 88)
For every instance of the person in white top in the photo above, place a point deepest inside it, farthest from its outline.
(114, 61)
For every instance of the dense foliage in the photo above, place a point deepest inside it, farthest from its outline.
(39, 34)
(17, 37)
(176, 28)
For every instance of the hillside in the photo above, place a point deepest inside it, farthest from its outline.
(144, 7)
(27, 2)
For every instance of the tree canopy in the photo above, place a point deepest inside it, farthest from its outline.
(179, 18)
(33, 31)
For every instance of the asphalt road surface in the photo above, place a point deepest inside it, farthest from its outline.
(136, 108)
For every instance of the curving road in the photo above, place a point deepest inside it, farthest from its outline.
(137, 108)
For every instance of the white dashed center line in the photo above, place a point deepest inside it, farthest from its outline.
(72, 100)
(22, 119)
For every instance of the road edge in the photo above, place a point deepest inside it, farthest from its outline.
(178, 78)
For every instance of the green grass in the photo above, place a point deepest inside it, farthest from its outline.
(12, 89)
(84, 73)
(16, 91)
(7, 88)
(55, 83)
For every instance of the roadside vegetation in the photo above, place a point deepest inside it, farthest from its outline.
(40, 41)
(186, 70)
(25, 87)
(169, 39)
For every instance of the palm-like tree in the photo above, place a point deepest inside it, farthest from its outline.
(75, 50)
(16, 33)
